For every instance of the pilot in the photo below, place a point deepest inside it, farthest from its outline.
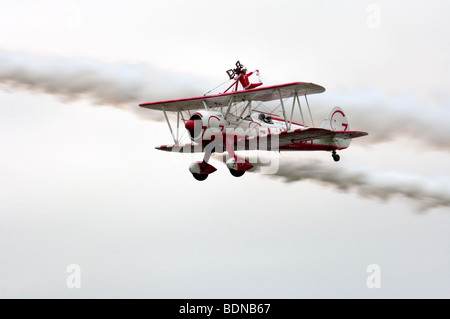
(265, 119)
(243, 79)
(262, 117)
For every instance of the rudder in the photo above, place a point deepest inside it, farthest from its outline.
(336, 120)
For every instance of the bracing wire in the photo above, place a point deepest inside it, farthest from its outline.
(216, 87)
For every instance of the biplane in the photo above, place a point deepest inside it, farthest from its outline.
(234, 121)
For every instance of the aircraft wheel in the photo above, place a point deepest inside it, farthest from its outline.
(200, 177)
(236, 173)
(336, 157)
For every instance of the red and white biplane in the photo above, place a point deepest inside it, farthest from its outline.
(234, 121)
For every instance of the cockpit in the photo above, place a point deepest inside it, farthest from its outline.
(265, 118)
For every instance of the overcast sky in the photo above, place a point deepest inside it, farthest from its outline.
(81, 182)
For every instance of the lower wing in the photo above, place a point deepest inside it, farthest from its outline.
(269, 142)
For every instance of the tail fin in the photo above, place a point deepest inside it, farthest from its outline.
(336, 120)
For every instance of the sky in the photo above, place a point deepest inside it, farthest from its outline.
(81, 183)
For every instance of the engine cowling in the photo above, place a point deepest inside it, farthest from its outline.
(203, 125)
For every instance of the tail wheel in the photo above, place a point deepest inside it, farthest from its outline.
(200, 177)
(336, 157)
(236, 173)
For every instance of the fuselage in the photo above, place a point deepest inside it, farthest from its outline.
(261, 124)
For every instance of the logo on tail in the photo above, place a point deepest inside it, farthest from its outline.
(336, 120)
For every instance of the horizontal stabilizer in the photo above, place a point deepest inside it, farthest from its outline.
(350, 134)
(182, 148)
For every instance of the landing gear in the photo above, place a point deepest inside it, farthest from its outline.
(200, 177)
(201, 170)
(236, 173)
(238, 166)
(335, 156)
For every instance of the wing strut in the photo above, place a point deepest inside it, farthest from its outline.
(292, 110)
(296, 98)
(178, 126)
(168, 123)
(229, 106)
(300, 108)
(284, 111)
(309, 111)
(245, 108)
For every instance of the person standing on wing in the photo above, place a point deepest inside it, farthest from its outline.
(242, 76)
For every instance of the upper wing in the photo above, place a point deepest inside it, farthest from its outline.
(263, 94)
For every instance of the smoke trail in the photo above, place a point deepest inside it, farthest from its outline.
(119, 85)
(368, 183)
(126, 85)
(387, 119)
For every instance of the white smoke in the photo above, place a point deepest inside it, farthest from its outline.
(126, 85)
(114, 84)
(427, 193)
(369, 183)
(387, 118)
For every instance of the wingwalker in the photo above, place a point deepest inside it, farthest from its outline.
(236, 121)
